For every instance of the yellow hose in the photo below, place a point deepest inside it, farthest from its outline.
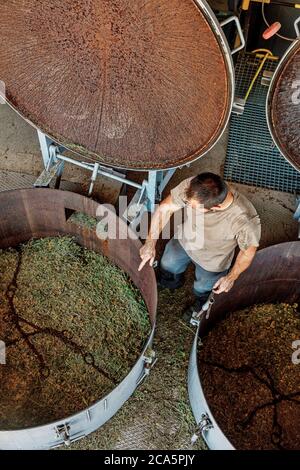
(262, 50)
(266, 56)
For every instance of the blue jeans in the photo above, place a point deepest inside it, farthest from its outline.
(175, 260)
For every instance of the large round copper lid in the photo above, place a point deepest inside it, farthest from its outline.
(134, 84)
(284, 106)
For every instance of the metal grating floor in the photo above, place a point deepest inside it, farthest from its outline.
(252, 157)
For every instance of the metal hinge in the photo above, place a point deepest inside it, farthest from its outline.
(150, 360)
(63, 432)
(204, 425)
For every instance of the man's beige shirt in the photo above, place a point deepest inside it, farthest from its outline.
(238, 225)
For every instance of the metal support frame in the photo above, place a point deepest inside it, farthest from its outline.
(147, 195)
(146, 198)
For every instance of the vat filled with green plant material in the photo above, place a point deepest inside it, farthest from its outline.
(76, 318)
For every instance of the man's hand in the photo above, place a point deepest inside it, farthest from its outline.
(147, 253)
(243, 261)
(224, 284)
(159, 220)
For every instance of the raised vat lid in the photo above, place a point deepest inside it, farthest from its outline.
(141, 84)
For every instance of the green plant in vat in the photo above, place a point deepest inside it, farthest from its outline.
(74, 325)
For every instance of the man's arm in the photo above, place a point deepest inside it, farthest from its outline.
(159, 220)
(243, 261)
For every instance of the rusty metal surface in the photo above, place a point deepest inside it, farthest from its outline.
(274, 276)
(138, 84)
(284, 106)
(37, 213)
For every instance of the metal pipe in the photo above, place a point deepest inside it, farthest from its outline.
(90, 167)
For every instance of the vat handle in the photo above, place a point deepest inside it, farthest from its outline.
(239, 30)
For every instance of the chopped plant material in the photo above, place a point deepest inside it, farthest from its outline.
(83, 220)
(73, 324)
(158, 415)
(250, 381)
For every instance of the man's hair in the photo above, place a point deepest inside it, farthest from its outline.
(208, 189)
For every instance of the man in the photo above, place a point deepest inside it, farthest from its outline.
(228, 220)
